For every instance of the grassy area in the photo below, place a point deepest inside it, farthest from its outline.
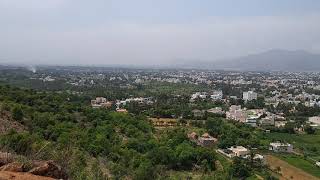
(290, 171)
(303, 143)
(301, 163)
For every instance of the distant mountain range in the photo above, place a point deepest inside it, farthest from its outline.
(273, 60)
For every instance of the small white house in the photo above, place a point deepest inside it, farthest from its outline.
(281, 147)
(239, 151)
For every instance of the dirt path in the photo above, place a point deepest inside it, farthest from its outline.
(288, 171)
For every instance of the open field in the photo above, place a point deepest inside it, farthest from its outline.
(303, 164)
(302, 143)
(288, 171)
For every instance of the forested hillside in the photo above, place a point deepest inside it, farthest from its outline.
(94, 143)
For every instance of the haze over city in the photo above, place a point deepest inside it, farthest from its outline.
(159, 89)
(149, 32)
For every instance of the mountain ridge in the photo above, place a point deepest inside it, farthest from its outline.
(271, 60)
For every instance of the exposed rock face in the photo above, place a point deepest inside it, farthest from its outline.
(12, 167)
(48, 169)
(9, 167)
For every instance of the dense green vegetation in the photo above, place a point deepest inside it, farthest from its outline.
(63, 128)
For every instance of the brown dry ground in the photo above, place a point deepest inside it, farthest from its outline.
(5, 175)
(288, 172)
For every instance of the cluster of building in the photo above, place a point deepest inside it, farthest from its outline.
(215, 95)
(255, 117)
(309, 100)
(101, 102)
(241, 152)
(281, 147)
(139, 100)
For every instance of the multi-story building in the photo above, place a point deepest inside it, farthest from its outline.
(249, 96)
(217, 95)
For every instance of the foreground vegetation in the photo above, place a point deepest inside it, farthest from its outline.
(95, 143)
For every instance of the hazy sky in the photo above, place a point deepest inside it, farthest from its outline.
(152, 31)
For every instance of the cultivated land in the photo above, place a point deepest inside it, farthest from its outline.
(288, 171)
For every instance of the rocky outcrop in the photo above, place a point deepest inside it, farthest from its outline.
(12, 167)
(9, 165)
(48, 169)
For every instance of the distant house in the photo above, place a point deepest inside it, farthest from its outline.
(101, 102)
(236, 113)
(216, 110)
(201, 95)
(122, 110)
(239, 151)
(281, 147)
(193, 136)
(268, 120)
(107, 104)
(197, 113)
(234, 151)
(315, 120)
(257, 158)
(279, 124)
(206, 140)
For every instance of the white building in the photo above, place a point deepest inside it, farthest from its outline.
(216, 110)
(201, 95)
(281, 147)
(239, 151)
(100, 100)
(235, 151)
(249, 96)
(217, 95)
(315, 120)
